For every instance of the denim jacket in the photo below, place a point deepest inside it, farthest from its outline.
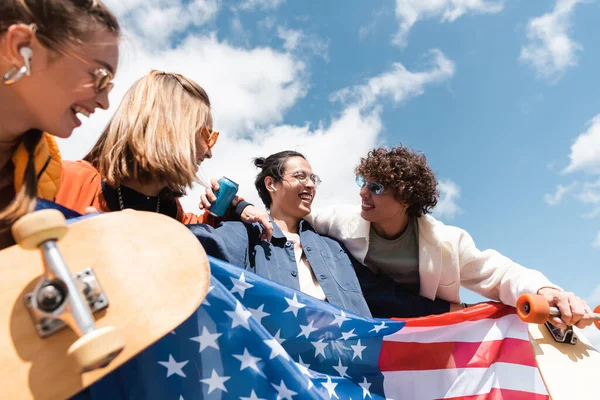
(334, 267)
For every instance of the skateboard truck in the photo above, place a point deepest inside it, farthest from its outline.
(536, 310)
(47, 306)
(60, 299)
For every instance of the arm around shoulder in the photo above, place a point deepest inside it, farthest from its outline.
(228, 242)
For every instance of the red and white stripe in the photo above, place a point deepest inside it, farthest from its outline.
(480, 353)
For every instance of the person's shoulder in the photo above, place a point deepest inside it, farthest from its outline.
(79, 168)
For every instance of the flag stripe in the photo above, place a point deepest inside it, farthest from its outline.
(510, 326)
(503, 394)
(400, 356)
(488, 310)
(450, 383)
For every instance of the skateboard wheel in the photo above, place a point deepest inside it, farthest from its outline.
(597, 311)
(533, 308)
(33, 229)
(96, 349)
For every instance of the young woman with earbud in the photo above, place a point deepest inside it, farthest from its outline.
(297, 256)
(57, 60)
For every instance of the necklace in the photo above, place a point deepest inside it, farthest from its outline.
(121, 200)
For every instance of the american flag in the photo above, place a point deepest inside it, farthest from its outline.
(255, 339)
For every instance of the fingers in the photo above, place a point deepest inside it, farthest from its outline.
(557, 322)
(91, 210)
(204, 202)
(214, 184)
(252, 214)
(267, 232)
(561, 300)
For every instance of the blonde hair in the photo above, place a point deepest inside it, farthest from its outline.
(152, 136)
(58, 25)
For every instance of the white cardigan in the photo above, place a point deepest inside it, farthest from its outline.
(448, 258)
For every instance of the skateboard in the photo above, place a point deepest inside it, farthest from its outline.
(79, 300)
(567, 365)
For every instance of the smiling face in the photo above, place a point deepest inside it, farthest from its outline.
(294, 194)
(378, 208)
(63, 86)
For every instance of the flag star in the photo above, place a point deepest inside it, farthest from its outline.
(278, 337)
(306, 330)
(205, 302)
(341, 369)
(174, 367)
(240, 316)
(216, 382)
(305, 368)
(172, 332)
(319, 347)
(330, 386)
(294, 305)
(283, 392)
(258, 313)
(248, 361)
(181, 397)
(207, 339)
(348, 335)
(276, 348)
(340, 319)
(358, 349)
(240, 285)
(377, 328)
(252, 397)
(365, 387)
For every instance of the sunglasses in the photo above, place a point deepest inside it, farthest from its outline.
(372, 187)
(210, 137)
(103, 80)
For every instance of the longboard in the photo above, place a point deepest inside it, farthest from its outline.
(152, 274)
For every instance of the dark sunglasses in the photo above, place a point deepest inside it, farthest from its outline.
(103, 80)
(372, 187)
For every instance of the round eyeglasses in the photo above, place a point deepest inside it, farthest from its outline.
(303, 177)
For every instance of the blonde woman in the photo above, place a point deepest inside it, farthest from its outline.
(148, 155)
(57, 60)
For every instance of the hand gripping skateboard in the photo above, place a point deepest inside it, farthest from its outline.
(567, 365)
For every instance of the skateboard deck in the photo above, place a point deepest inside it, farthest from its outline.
(568, 366)
(153, 271)
(568, 370)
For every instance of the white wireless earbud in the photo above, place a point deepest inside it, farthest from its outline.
(26, 53)
(273, 187)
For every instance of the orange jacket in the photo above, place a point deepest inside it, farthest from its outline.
(81, 187)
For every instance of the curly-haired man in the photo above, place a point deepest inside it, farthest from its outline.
(393, 234)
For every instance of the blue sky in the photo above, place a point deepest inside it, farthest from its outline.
(500, 95)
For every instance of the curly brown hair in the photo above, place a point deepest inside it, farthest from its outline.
(404, 171)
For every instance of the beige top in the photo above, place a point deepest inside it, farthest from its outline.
(306, 277)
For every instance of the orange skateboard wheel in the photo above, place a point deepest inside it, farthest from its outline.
(533, 308)
(597, 311)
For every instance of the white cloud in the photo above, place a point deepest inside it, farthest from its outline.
(550, 50)
(447, 206)
(296, 40)
(554, 199)
(596, 242)
(260, 4)
(156, 21)
(409, 12)
(355, 129)
(398, 83)
(585, 152)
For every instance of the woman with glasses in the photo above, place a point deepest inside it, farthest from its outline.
(299, 257)
(149, 153)
(392, 234)
(57, 60)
